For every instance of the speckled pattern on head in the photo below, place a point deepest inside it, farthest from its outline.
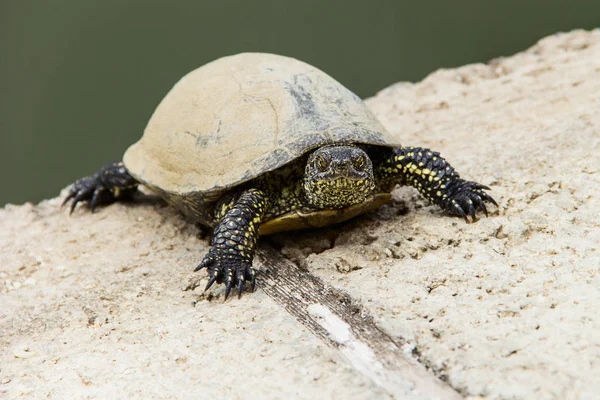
(240, 116)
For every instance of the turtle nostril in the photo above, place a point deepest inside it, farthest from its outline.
(339, 166)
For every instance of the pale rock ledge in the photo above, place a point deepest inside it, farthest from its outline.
(92, 305)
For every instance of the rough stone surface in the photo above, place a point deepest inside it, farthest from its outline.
(93, 306)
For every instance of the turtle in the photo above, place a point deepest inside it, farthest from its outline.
(254, 143)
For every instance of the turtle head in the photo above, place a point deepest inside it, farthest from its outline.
(338, 176)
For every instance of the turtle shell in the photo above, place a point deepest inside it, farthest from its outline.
(240, 116)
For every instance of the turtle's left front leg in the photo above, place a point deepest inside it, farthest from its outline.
(435, 179)
(229, 260)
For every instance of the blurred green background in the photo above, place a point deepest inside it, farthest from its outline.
(79, 79)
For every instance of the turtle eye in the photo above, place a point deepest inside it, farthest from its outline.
(322, 163)
(359, 163)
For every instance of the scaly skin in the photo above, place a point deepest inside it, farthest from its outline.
(331, 177)
(435, 179)
(229, 260)
(337, 176)
(108, 185)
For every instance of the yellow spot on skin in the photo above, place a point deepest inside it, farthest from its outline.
(438, 193)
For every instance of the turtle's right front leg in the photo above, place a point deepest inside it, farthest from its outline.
(108, 185)
(229, 260)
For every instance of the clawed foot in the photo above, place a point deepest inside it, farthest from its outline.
(89, 189)
(230, 269)
(465, 198)
(108, 185)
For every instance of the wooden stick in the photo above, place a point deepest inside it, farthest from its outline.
(331, 315)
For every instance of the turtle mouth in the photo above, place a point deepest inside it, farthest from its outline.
(342, 180)
(342, 174)
(334, 192)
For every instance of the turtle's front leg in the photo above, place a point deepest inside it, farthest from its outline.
(435, 179)
(229, 260)
(110, 184)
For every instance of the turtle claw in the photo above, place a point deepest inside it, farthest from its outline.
(69, 196)
(489, 198)
(212, 280)
(111, 183)
(82, 190)
(253, 280)
(228, 289)
(465, 198)
(80, 196)
(96, 197)
(232, 271)
(459, 211)
(471, 210)
(479, 203)
(240, 287)
(205, 263)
